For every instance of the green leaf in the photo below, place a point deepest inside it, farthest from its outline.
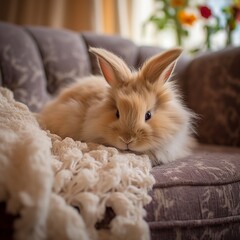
(160, 23)
(185, 32)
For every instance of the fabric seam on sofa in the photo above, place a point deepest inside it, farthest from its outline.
(195, 222)
(195, 184)
(38, 49)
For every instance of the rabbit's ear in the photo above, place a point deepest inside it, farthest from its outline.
(160, 67)
(114, 69)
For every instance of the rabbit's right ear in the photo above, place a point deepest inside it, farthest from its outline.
(161, 66)
(114, 69)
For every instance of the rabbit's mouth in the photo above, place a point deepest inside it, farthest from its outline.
(125, 149)
(128, 148)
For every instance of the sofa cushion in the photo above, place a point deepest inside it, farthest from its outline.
(212, 86)
(123, 48)
(200, 193)
(21, 66)
(64, 56)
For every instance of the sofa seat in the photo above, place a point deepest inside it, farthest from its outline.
(197, 196)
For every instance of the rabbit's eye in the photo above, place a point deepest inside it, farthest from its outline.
(148, 115)
(117, 114)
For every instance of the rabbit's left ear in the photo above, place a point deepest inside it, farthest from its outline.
(114, 69)
(160, 67)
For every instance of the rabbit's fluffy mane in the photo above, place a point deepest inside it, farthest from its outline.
(169, 117)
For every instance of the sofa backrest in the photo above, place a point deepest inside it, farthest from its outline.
(37, 61)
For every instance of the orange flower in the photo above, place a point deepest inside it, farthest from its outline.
(177, 3)
(187, 18)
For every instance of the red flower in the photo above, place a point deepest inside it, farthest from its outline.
(236, 12)
(238, 16)
(205, 11)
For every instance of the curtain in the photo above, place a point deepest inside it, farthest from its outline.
(108, 16)
(122, 17)
(73, 14)
(126, 18)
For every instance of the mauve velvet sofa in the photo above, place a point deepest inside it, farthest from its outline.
(197, 197)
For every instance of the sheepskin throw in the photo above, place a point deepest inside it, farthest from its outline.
(63, 189)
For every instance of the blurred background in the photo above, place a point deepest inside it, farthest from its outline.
(193, 24)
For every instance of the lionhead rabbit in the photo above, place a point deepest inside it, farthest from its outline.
(139, 111)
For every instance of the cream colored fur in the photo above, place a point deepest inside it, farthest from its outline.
(42, 176)
(88, 110)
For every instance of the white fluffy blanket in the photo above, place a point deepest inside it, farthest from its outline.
(62, 188)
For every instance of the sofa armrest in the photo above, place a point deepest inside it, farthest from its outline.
(212, 85)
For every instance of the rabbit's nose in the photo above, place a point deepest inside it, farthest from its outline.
(126, 140)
